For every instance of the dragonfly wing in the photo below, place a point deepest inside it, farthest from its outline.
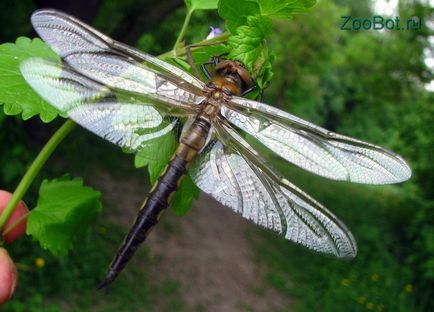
(112, 63)
(237, 177)
(314, 148)
(121, 119)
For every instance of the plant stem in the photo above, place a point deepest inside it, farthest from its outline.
(182, 32)
(198, 45)
(12, 226)
(34, 169)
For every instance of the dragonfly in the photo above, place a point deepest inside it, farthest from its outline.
(129, 97)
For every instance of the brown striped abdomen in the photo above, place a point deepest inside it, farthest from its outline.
(160, 196)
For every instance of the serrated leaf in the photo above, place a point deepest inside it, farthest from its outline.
(64, 211)
(156, 154)
(248, 46)
(15, 94)
(284, 8)
(266, 72)
(201, 4)
(236, 14)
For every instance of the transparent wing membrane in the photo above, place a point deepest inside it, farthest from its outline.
(123, 120)
(237, 177)
(314, 148)
(118, 72)
(69, 36)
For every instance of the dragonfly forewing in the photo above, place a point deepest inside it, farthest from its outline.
(314, 148)
(69, 36)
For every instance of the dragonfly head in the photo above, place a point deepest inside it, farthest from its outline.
(234, 73)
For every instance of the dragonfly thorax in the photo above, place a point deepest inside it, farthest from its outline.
(230, 78)
(235, 73)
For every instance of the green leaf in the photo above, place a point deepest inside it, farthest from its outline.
(204, 53)
(182, 64)
(201, 4)
(156, 154)
(266, 73)
(65, 209)
(249, 23)
(236, 15)
(284, 8)
(184, 197)
(15, 94)
(248, 46)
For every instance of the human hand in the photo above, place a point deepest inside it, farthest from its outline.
(8, 270)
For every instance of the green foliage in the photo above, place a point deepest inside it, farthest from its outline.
(64, 211)
(248, 45)
(308, 58)
(250, 25)
(236, 15)
(284, 8)
(15, 94)
(420, 248)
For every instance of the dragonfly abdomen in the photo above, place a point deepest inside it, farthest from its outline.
(160, 196)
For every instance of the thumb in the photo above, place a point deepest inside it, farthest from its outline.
(8, 276)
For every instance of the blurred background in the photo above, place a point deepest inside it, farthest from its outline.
(373, 85)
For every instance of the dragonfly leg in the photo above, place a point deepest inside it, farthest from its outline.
(191, 62)
(251, 89)
(215, 59)
(193, 65)
(205, 70)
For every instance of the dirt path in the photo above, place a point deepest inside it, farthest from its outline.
(206, 251)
